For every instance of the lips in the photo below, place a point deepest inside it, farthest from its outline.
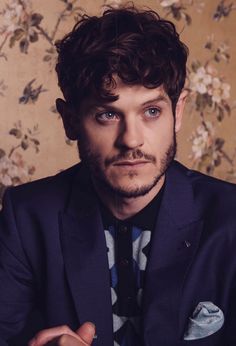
(130, 163)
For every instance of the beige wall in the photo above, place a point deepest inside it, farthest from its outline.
(32, 142)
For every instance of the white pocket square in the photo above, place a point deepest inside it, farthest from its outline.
(206, 319)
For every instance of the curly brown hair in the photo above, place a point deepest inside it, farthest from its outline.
(137, 46)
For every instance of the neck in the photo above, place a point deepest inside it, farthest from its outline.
(122, 207)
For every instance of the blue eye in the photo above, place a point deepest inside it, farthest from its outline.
(152, 112)
(106, 116)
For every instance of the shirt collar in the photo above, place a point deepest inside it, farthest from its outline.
(144, 219)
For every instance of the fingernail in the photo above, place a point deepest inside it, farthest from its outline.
(92, 324)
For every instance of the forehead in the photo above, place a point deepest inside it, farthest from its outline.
(138, 94)
(129, 96)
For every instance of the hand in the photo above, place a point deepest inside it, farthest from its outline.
(64, 336)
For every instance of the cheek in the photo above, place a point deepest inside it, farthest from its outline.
(99, 145)
(92, 131)
(102, 138)
(160, 135)
(89, 136)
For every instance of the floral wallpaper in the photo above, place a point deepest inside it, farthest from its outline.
(32, 141)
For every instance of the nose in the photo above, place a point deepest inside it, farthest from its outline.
(130, 134)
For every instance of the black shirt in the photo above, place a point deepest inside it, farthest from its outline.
(128, 246)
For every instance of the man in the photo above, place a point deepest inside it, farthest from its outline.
(128, 247)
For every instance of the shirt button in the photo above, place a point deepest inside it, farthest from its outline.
(129, 300)
(124, 262)
(123, 229)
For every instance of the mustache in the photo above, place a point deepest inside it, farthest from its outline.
(130, 155)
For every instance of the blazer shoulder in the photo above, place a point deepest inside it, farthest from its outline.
(202, 178)
(43, 191)
(209, 191)
(209, 184)
(216, 196)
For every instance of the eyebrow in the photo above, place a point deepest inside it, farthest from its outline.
(156, 99)
(160, 98)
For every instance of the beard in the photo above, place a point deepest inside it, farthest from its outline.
(94, 163)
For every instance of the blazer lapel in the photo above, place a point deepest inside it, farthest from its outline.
(85, 256)
(174, 243)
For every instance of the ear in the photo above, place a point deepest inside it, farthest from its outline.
(69, 118)
(179, 109)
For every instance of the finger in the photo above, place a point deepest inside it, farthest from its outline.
(86, 332)
(66, 340)
(47, 335)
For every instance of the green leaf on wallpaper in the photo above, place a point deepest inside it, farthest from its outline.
(17, 35)
(24, 45)
(208, 45)
(217, 161)
(219, 143)
(31, 170)
(205, 161)
(47, 58)
(195, 65)
(188, 19)
(217, 58)
(36, 19)
(227, 108)
(35, 141)
(176, 13)
(15, 181)
(24, 144)
(34, 37)
(2, 190)
(15, 132)
(2, 153)
(202, 101)
(220, 115)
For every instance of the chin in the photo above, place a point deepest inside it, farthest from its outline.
(131, 190)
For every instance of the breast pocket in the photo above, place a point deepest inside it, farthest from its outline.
(215, 339)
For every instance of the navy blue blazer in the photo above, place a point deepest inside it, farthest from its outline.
(53, 257)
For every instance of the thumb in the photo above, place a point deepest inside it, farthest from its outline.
(86, 332)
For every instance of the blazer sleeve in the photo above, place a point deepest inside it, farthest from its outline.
(16, 279)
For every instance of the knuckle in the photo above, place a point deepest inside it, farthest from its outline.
(41, 335)
(65, 329)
